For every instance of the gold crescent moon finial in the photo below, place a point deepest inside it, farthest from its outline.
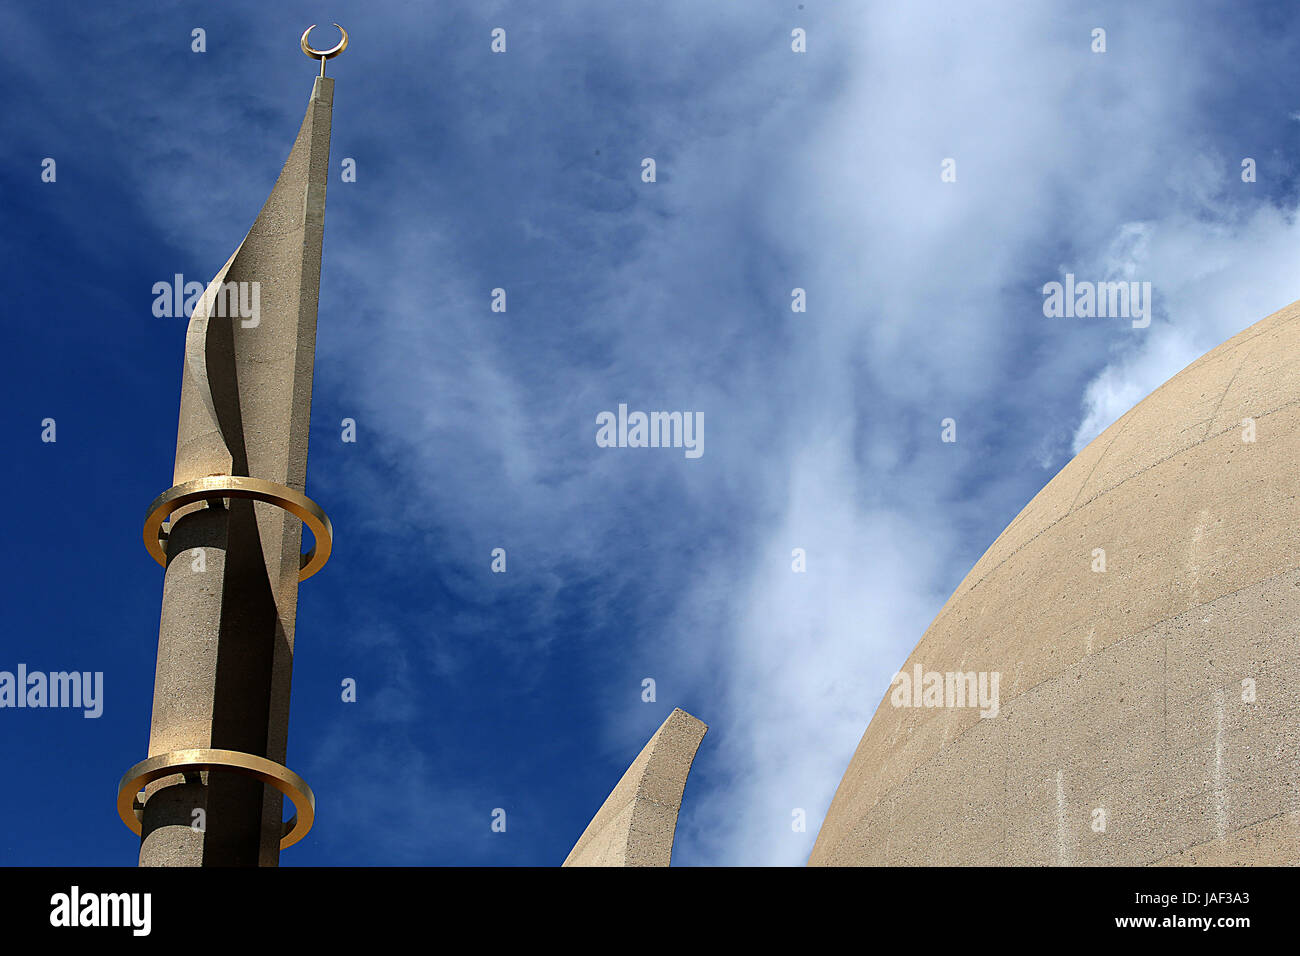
(323, 55)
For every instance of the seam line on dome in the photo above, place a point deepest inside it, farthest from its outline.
(1222, 398)
(1100, 458)
(1102, 494)
(1240, 831)
(1058, 676)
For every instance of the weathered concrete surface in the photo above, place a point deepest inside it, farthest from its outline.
(1121, 699)
(225, 648)
(636, 825)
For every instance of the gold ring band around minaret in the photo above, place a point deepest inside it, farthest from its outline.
(131, 810)
(240, 486)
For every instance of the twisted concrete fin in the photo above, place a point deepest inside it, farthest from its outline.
(635, 826)
(242, 371)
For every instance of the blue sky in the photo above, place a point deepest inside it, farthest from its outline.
(476, 430)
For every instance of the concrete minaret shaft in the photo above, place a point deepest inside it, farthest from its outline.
(233, 551)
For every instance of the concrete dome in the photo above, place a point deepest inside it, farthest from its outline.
(1147, 713)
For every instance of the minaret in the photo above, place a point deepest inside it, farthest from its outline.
(215, 780)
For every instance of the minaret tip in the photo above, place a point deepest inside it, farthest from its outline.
(323, 55)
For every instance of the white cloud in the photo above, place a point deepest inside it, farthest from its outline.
(919, 287)
(1211, 279)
